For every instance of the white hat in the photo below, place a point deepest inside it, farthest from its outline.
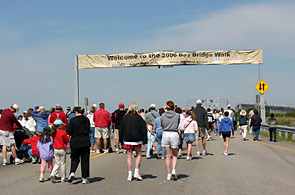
(228, 105)
(152, 106)
(94, 105)
(199, 101)
(243, 113)
(15, 106)
(41, 107)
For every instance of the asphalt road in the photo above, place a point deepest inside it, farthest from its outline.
(251, 168)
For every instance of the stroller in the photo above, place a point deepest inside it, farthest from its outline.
(20, 135)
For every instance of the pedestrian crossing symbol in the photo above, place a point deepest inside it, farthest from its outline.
(261, 87)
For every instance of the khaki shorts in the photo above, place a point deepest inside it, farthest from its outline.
(116, 134)
(6, 138)
(170, 139)
(101, 132)
(200, 132)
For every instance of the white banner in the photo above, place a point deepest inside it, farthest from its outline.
(170, 58)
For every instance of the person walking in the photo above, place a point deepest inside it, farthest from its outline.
(226, 127)
(92, 128)
(159, 133)
(79, 129)
(60, 140)
(45, 148)
(243, 123)
(272, 122)
(6, 136)
(202, 120)
(116, 118)
(255, 123)
(170, 140)
(189, 126)
(132, 135)
(102, 120)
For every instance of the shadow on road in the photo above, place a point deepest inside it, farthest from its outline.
(148, 176)
(78, 180)
(182, 176)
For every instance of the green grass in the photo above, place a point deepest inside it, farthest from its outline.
(278, 137)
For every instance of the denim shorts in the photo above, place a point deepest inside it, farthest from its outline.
(189, 137)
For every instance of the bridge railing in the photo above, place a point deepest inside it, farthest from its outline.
(281, 129)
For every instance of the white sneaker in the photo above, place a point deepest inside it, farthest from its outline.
(4, 162)
(198, 154)
(106, 151)
(204, 152)
(225, 153)
(85, 181)
(174, 177)
(18, 161)
(179, 154)
(137, 177)
(189, 158)
(129, 178)
(117, 150)
(41, 179)
(97, 151)
(169, 177)
(125, 151)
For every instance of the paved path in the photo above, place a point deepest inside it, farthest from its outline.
(251, 168)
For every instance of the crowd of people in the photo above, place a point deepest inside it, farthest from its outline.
(161, 131)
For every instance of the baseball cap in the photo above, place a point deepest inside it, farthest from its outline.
(58, 106)
(58, 122)
(199, 101)
(15, 106)
(47, 129)
(94, 105)
(228, 105)
(121, 105)
(152, 106)
(41, 107)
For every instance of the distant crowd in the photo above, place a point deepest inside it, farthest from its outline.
(41, 135)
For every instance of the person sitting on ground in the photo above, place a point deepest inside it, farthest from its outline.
(33, 152)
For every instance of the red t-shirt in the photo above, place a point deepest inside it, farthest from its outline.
(102, 118)
(33, 141)
(7, 120)
(60, 139)
(59, 115)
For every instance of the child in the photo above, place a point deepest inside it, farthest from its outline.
(151, 138)
(45, 147)
(60, 140)
(226, 126)
(33, 152)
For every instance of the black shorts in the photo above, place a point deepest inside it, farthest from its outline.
(226, 134)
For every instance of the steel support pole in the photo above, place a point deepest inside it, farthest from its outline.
(77, 83)
(262, 105)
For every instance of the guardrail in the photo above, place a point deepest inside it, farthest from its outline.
(286, 130)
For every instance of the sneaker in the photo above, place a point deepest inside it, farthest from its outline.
(18, 161)
(189, 158)
(179, 154)
(129, 178)
(254, 139)
(244, 139)
(63, 180)
(208, 138)
(169, 177)
(4, 162)
(97, 151)
(163, 158)
(92, 151)
(117, 150)
(71, 178)
(156, 155)
(85, 181)
(52, 179)
(204, 152)
(174, 177)
(33, 160)
(106, 151)
(198, 154)
(137, 177)
(125, 151)
(41, 179)
(225, 153)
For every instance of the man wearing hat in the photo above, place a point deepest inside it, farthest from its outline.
(69, 111)
(117, 116)
(202, 120)
(243, 123)
(59, 114)
(6, 136)
(153, 114)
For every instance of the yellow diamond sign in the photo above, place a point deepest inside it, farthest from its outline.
(261, 87)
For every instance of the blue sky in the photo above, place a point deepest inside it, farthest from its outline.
(39, 41)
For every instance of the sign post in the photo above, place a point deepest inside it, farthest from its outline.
(261, 88)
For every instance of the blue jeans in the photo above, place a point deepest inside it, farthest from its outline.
(216, 123)
(151, 139)
(30, 153)
(273, 130)
(22, 147)
(91, 135)
(159, 135)
(256, 130)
